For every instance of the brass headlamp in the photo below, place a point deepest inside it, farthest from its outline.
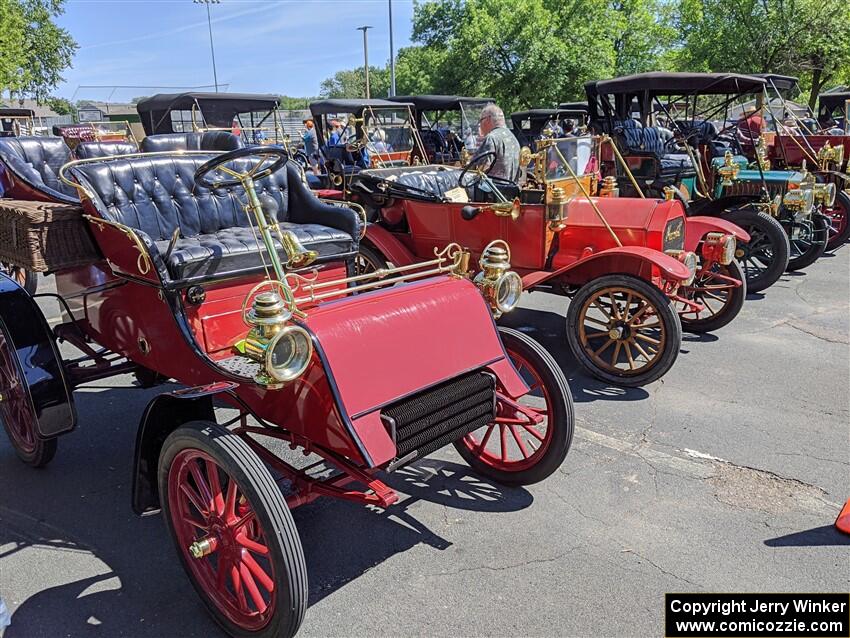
(719, 247)
(825, 194)
(829, 154)
(500, 285)
(283, 350)
(800, 197)
(729, 170)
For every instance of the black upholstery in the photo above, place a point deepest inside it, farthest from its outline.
(196, 141)
(87, 150)
(638, 139)
(36, 161)
(157, 195)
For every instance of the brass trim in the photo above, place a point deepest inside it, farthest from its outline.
(143, 261)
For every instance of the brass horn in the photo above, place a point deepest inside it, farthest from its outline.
(296, 255)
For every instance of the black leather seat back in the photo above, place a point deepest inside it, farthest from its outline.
(195, 141)
(638, 139)
(158, 194)
(88, 150)
(36, 161)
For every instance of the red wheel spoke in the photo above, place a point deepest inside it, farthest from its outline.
(194, 499)
(236, 581)
(252, 545)
(230, 500)
(504, 441)
(251, 586)
(519, 441)
(201, 484)
(221, 574)
(258, 572)
(215, 487)
(239, 523)
(530, 429)
(201, 526)
(486, 438)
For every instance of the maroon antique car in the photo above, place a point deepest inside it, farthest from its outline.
(261, 312)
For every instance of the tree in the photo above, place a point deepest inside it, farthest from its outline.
(60, 105)
(645, 32)
(351, 83)
(806, 38)
(33, 49)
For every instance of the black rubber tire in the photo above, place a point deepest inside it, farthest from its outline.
(564, 415)
(805, 252)
(770, 235)
(26, 279)
(255, 482)
(371, 256)
(842, 198)
(729, 311)
(666, 313)
(43, 449)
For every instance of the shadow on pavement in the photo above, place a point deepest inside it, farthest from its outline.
(823, 536)
(79, 508)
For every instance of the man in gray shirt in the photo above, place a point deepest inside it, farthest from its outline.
(500, 141)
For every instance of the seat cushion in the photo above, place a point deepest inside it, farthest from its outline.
(88, 150)
(234, 251)
(676, 163)
(434, 181)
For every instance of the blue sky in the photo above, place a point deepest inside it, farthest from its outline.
(268, 46)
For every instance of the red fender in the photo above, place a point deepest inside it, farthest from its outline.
(699, 226)
(634, 260)
(391, 248)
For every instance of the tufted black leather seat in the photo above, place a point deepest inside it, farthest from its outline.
(430, 180)
(36, 161)
(195, 141)
(87, 150)
(157, 195)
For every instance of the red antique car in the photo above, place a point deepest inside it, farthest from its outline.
(628, 265)
(261, 312)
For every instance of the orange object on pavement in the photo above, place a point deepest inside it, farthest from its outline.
(843, 520)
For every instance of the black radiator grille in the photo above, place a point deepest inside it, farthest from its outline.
(434, 418)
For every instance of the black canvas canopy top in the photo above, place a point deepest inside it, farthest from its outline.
(780, 82)
(441, 102)
(218, 109)
(662, 83)
(334, 106)
(4, 112)
(831, 100)
(573, 107)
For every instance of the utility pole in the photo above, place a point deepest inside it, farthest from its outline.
(366, 57)
(209, 24)
(392, 53)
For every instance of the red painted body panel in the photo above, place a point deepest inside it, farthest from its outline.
(698, 226)
(369, 338)
(787, 152)
(390, 246)
(644, 262)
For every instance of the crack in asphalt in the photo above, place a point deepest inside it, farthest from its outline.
(661, 569)
(501, 568)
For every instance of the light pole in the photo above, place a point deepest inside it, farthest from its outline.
(392, 53)
(365, 56)
(209, 24)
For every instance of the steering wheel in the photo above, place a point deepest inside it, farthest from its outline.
(205, 171)
(476, 162)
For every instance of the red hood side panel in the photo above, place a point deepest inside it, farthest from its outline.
(385, 345)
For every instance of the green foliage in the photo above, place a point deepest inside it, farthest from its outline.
(351, 83)
(61, 106)
(537, 53)
(33, 49)
(806, 38)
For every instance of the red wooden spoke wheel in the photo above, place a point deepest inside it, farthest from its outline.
(17, 412)
(716, 291)
(838, 214)
(530, 437)
(233, 531)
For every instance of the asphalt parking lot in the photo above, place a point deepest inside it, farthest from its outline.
(725, 476)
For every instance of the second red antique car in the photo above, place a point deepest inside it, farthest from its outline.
(262, 312)
(628, 265)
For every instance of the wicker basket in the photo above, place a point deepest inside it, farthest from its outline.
(44, 237)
